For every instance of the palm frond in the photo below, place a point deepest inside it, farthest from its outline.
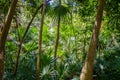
(63, 10)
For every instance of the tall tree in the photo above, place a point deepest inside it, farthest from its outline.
(87, 70)
(40, 41)
(58, 35)
(4, 34)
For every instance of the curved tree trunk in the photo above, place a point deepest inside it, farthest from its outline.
(87, 70)
(23, 37)
(40, 41)
(4, 34)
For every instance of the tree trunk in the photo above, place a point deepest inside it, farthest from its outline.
(57, 39)
(4, 34)
(87, 70)
(21, 41)
(40, 41)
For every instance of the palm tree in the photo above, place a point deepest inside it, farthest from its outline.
(87, 70)
(57, 12)
(58, 35)
(40, 41)
(4, 34)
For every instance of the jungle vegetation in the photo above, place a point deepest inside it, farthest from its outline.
(59, 39)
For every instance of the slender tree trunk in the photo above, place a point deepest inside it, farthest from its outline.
(87, 70)
(57, 39)
(21, 41)
(4, 34)
(40, 41)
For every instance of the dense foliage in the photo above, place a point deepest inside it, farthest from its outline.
(77, 22)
